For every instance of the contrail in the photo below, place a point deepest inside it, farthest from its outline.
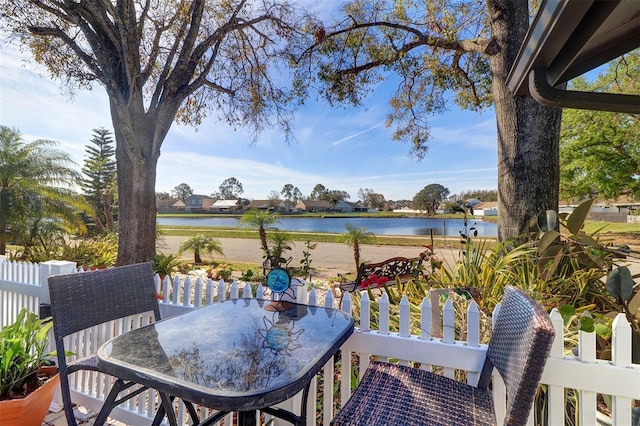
(356, 134)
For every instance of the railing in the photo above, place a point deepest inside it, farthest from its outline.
(455, 356)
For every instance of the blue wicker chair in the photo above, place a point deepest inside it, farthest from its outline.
(83, 300)
(396, 395)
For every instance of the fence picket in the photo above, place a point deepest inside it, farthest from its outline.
(222, 290)
(621, 357)
(555, 394)
(186, 293)
(473, 336)
(246, 291)
(234, 290)
(197, 299)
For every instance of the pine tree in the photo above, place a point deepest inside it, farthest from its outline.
(99, 186)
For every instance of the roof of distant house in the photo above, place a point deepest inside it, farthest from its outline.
(164, 203)
(316, 203)
(203, 197)
(486, 205)
(623, 200)
(169, 203)
(264, 204)
(224, 204)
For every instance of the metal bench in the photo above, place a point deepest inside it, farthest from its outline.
(402, 268)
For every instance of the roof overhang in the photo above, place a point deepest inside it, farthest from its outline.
(569, 38)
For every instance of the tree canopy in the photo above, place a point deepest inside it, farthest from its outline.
(435, 47)
(600, 151)
(182, 192)
(99, 185)
(369, 198)
(430, 197)
(201, 243)
(291, 194)
(36, 181)
(230, 189)
(355, 237)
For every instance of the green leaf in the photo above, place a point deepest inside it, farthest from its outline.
(586, 324)
(547, 239)
(550, 260)
(547, 221)
(567, 312)
(603, 330)
(587, 240)
(620, 284)
(634, 305)
(576, 219)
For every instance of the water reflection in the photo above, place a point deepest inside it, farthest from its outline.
(262, 355)
(236, 346)
(258, 369)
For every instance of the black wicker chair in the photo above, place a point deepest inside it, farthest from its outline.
(391, 394)
(82, 300)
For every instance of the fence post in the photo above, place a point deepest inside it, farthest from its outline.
(53, 267)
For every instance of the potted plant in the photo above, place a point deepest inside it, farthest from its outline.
(26, 387)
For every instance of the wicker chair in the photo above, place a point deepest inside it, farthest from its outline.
(83, 300)
(397, 395)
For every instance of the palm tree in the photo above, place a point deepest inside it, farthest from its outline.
(200, 243)
(260, 220)
(280, 243)
(356, 236)
(36, 177)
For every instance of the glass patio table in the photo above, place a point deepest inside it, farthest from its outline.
(242, 355)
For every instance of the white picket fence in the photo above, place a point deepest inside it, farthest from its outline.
(24, 285)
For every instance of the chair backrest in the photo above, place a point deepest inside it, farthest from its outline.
(84, 299)
(519, 347)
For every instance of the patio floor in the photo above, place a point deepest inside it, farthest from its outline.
(57, 418)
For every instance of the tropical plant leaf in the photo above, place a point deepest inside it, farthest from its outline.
(547, 239)
(634, 305)
(587, 261)
(620, 284)
(550, 260)
(576, 219)
(587, 240)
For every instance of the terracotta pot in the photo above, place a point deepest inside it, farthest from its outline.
(29, 411)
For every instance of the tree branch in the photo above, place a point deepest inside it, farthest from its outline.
(56, 32)
(479, 45)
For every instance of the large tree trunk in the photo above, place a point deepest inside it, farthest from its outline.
(528, 132)
(137, 157)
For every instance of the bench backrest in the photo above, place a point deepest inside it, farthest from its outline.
(391, 268)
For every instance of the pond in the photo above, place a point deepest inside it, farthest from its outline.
(404, 226)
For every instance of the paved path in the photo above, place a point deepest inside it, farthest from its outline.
(335, 257)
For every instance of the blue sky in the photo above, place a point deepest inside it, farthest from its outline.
(342, 148)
